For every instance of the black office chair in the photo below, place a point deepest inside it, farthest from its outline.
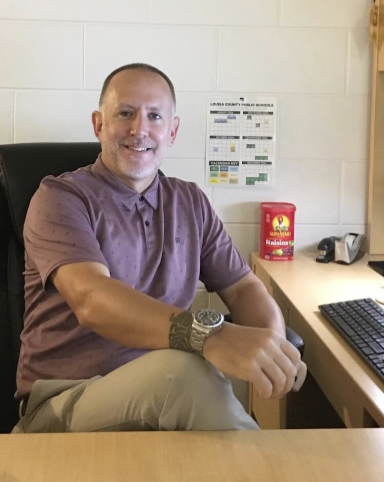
(22, 167)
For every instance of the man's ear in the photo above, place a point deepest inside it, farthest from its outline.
(175, 128)
(97, 122)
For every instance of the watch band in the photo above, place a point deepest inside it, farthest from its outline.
(180, 331)
(197, 340)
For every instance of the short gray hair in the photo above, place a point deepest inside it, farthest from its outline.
(137, 66)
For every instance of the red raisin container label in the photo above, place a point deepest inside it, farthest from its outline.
(277, 227)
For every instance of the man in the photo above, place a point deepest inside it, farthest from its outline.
(114, 253)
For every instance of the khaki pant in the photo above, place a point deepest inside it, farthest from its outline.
(161, 390)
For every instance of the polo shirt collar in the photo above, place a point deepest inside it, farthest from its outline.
(128, 196)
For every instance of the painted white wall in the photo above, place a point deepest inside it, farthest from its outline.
(313, 56)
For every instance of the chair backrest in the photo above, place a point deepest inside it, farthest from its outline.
(22, 167)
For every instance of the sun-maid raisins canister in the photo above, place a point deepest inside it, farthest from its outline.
(277, 227)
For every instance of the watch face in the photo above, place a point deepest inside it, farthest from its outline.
(208, 317)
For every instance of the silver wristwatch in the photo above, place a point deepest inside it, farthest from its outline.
(205, 323)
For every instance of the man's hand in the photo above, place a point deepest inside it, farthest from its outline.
(258, 355)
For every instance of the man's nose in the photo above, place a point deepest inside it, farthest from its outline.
(139, 125)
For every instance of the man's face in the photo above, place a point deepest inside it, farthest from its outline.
(136, 126)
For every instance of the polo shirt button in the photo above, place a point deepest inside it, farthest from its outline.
(147, 223)
(141, 198)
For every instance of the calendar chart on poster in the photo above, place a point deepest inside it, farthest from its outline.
(241, 142)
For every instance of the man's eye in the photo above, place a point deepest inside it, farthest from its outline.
(154, 116)
(125, 113)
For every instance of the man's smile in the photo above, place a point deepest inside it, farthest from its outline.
(137, 149)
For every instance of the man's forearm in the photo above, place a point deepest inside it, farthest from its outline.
(134, 319)
(251, 305)
(112, 309)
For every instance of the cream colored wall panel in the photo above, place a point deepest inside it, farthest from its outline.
(54, 116)
(217, 304)
(325, 13)
(40, 55)
(354, 192)
(323, 127)
(201, 300)
(7, 8)
(282, 60)
(6, 117)
(312, 186)
(239, 205)
(359, 62)
(245, 237)
(190, 141)
(215, 12)
(84, 10)
(185, 54)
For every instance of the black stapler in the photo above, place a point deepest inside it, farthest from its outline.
(327, 249)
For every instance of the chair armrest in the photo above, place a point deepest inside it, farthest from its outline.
(295, 339)
(291, 335)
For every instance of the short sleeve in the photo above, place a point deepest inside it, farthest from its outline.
(59, 228)
(221, 263)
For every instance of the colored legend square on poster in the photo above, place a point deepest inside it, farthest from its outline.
(214, 168)
(250, 181)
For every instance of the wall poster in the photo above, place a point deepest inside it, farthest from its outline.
(241, 142)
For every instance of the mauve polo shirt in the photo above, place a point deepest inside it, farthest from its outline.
(160, 242)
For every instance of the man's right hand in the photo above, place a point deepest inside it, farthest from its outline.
(258, 355)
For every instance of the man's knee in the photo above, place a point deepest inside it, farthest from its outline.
(197, 396)
(194, 373)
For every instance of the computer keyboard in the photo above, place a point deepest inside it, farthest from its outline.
(361, 323)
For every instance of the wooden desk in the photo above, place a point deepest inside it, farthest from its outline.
(289, 456)
(299, 286)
